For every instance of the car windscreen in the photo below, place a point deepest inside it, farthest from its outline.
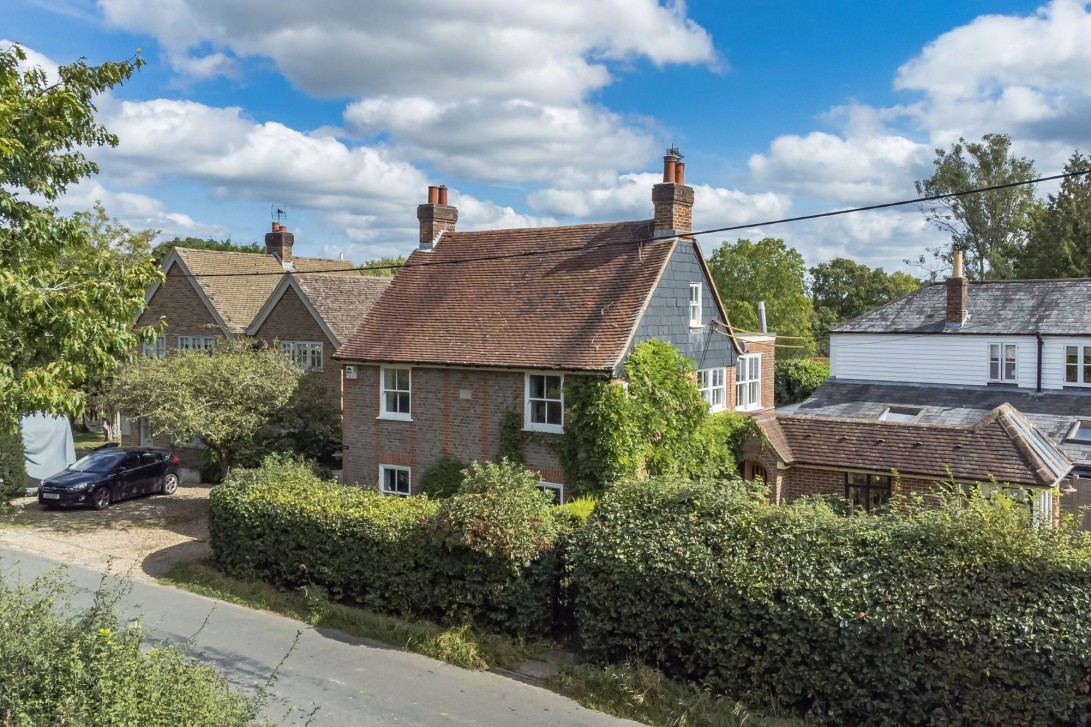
(98, 462)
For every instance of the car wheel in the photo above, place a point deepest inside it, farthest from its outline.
(100, 498)
(170, 484)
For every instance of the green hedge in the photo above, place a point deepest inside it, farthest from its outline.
(13, 473)
(957, 616)
(483, 556)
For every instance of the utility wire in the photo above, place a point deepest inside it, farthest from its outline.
(731, 228)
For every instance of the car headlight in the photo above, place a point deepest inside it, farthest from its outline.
(81, 487)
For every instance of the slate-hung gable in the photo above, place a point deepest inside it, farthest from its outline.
(479, 324)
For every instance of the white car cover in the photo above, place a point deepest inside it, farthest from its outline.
(48, 444)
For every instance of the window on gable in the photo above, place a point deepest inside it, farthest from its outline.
(1002, 362)
(395, 480)
(156, 348)
(395, 399)
(695, 305)
(307, 355)
(748, 382)
(544, 404)
(196, 343)
(712, 383)
(1077, 365)
(867, 492)
(903, 414)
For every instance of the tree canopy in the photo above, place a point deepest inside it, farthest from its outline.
(67, 305)
(842, 289)
(990, 227)
(1059, 244)
(383, 267)
(163, 249)
(768, 270)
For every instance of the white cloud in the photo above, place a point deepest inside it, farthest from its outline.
(136, 211)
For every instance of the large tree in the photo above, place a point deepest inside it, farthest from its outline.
(843, 289)
(768, 270)
(163, 249)
(1060, 238)
(223, 398)
(67, 305)
(383, 267)
(990, 227)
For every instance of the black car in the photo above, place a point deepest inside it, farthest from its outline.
(109, 475)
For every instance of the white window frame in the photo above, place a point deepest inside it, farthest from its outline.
(695, 316)
(712, 391)
(1083, 364)
(747, 387)
(386, 413)
(1001, 362)
(394, 469)
(196, 343)
(528, 409)
(156, 348)
(307, 355)
(553, 487)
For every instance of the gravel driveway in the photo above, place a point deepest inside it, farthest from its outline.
(142, 537)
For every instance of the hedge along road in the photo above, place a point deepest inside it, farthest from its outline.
(351, 681)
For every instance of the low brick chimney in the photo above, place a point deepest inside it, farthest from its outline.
(673, 200)
(436, 217)
(958, 294)
(278, 243)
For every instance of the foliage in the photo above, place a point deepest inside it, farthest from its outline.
(383, 267)
(89, 668)
(512, 437)
(1060, 237)
(842, 289)
(162, 250)
(921, 616)
(990, 227)
(309, 424)
(111, 235)
(13, 471)
(456, 560)
(747, 272)
(795, 379)
(714, 451)
(221, 398)
(601, 440)
(66, 305)
(441, 479)
(578, 507)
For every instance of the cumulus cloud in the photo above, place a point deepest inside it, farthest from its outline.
(136, 211)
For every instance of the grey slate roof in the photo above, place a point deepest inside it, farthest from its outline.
(1052, 413)
(1002, 307)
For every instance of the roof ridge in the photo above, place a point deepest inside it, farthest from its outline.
(550, 228)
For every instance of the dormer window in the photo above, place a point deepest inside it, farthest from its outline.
(695, 305)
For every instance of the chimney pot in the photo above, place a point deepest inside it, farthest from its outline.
(679, 173)
(669, 169)
(443, 194)
(433, 194)
(279, 242)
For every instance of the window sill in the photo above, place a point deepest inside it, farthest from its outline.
(394, 418)
(544, 429)
(696, 328)
(1003, 384)
(749, 407)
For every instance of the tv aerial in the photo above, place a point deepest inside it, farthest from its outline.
(278, 211)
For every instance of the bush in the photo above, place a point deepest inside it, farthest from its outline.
(714, 453)
(90, 669)
(13, 472)
(442, 479)
(958, 616)
(481, 555)
(795, 379)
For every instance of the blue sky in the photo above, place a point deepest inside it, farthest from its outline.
(559, 112)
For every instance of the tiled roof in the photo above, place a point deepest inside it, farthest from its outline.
(1003, 444)
(342, 300)
(1001, 307)
(239, 296)
(553, 298)
(1054, 413)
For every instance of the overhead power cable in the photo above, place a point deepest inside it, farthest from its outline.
(731, 228)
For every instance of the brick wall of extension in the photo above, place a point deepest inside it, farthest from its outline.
(455, 413)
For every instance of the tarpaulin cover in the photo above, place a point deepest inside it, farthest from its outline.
(48, 443)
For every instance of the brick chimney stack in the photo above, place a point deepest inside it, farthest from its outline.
(958, 294)
(278, 243)
(436, 217)
(673, 200)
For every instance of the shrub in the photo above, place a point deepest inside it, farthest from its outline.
(13, 473)
(481, 555)
(795, 379)
(957, 616)
(90, 669)
(714, 453)
(579, 508)
(442, 479)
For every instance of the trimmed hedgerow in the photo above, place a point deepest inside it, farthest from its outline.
(481, 555)
(13, 472)
(959, 616)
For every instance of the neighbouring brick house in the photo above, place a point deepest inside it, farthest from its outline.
(207, 294)
(312, 315)
(480, 324)
(947, 357)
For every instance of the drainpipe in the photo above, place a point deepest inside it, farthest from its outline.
(1038, 335)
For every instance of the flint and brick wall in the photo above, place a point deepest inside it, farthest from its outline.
(455, 413)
